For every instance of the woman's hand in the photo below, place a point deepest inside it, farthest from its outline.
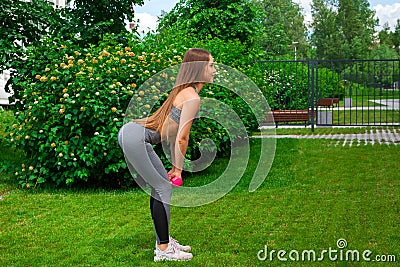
(174, 173)
(175, 177)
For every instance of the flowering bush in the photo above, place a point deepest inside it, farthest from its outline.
(74, 100)
(73, 106)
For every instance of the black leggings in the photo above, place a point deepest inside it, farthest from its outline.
(160, 220)
(136, 143)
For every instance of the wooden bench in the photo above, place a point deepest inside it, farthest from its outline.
(328, 102)
(286, 116)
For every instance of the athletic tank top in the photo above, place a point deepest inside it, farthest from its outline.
(175, 113)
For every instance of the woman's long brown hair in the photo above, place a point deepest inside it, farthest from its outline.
(191, 72)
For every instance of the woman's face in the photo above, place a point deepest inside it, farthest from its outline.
(210, 70)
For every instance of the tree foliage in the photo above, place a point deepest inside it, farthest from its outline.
(391, 38)
(26, 24)
(342, 29)
(283, 18)
(91, 19)
(23, 24)
(226, 19)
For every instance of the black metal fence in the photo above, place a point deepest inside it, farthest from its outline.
(333, 92)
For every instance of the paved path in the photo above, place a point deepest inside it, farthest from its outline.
(381, 137)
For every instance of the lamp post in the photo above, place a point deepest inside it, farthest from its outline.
(295, 49)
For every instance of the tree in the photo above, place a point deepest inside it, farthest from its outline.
(385, 35)
(225, 19)
(23, 24)
(358, 25)
(29, 23)
(343, 28)
(396, 37)
(90, 20)
(284, 16)
(325, 34)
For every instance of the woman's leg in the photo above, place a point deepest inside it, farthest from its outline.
(149, 166)
(160, 221)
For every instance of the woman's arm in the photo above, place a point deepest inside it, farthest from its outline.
(189, 111)
(172, 152)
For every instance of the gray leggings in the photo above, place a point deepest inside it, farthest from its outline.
(136, 142)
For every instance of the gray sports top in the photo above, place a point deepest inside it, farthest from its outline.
(175, 113)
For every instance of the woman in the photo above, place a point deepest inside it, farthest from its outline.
(170, 123)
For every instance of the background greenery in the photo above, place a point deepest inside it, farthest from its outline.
(314, 194)
(75, 72)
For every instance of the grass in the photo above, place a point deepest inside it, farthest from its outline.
(365, 116)
(365, 100)
(314, 194)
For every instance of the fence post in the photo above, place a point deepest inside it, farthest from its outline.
(312, 92)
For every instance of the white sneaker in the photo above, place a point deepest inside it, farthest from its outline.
(172, 253)
(179, 246)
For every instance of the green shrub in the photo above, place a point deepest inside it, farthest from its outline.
(286, 85)
(74, 100)
(74, 103)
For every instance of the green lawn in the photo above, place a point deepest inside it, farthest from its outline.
(314, 194)
(365, 116)
(366, 99)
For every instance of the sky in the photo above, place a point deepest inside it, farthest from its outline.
(386, 11)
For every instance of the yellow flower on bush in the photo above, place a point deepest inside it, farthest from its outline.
(44, 79)
(47, 69)
(53, 78)
(104, 53)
